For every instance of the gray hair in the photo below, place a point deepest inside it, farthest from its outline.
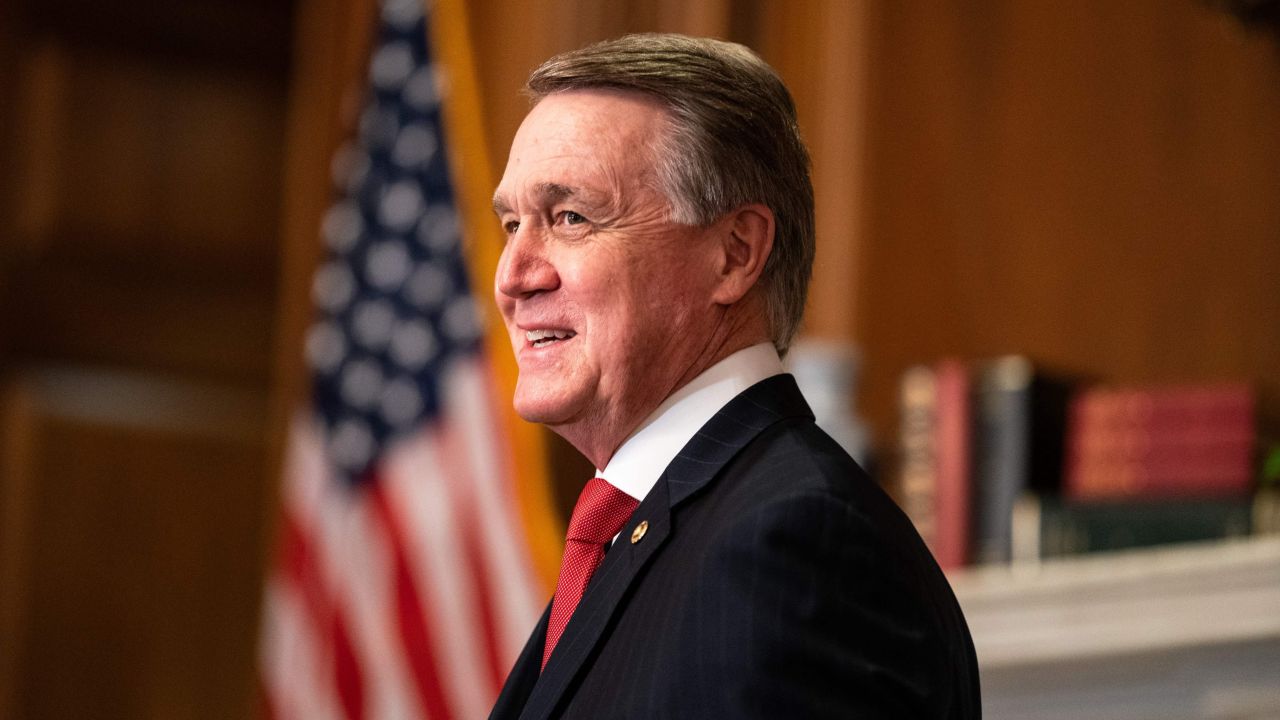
(733, 140)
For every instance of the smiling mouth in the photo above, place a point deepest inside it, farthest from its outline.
(545, 338)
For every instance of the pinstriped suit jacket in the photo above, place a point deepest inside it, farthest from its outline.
(775, 581)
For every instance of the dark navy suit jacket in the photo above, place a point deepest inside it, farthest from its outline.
(775, 580)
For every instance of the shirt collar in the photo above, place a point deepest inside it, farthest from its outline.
(637, 465)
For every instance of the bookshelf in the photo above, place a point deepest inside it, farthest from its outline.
(1112, 604)
(1183, 631)
(1091, 185)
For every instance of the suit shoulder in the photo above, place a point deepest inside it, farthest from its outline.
(796, 458)
(794, 529)
(793, 471)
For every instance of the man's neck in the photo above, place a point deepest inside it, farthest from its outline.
(645, 453)
(600, 437)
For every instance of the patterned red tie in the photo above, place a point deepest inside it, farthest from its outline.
(601, 511)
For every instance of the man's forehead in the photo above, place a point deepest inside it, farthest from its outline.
(545, 193)
(581, 144)
(598, 116)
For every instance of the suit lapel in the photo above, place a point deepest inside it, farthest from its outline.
(623, 561)
(728, 431)
(746, 416)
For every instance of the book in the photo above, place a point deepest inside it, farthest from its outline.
(953, 433)
(1051, 527)
(1019, 422)
(935, 470)
(917, 400)
(1162, 442)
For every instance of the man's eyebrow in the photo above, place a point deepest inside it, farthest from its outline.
(547, 193)
(500, 205)
(553, 192)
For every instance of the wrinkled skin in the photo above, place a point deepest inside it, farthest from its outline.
(642, 304)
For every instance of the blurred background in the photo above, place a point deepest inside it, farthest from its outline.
(1091, 187)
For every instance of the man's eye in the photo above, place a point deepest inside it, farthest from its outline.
(572, 218)
(511, 226)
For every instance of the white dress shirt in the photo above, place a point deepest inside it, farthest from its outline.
(636, 466)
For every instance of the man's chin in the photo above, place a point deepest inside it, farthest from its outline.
(536, 408)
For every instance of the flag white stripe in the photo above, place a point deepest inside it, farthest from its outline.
(417, 476)
(370, 593)
(292, 659)
(518, 598)
(306, 475)
(320, 510)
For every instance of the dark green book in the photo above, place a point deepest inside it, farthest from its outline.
(1053, 527)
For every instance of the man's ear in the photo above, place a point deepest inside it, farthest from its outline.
(746, 239)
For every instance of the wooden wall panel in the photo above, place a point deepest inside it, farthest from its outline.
(145, 201)
(1092, 185)
(130, 587)
(821, 50)
(113, 135)
(10, 52)
(140, 156)
(16, 409)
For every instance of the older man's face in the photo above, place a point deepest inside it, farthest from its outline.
(605, 299)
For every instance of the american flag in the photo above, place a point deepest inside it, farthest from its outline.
(403, 588)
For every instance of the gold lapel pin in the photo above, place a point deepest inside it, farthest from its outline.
(639, 532)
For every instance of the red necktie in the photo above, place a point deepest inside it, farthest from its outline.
(601, 511)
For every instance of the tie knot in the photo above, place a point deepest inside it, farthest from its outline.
(600, 513)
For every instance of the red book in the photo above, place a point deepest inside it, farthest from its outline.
(1186, 441)
(954, 486)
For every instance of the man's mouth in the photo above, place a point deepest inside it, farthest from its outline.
(543, 338)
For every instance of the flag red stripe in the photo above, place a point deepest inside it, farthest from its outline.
(508, 507)
(302, 571)
(411, 615)
(346, 669)
(266, 703)
(484, 591)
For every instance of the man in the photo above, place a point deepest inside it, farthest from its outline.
(659, 240)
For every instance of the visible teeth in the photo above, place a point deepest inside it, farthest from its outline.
(538, 336)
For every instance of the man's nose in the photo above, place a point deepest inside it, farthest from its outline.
(525, 268)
